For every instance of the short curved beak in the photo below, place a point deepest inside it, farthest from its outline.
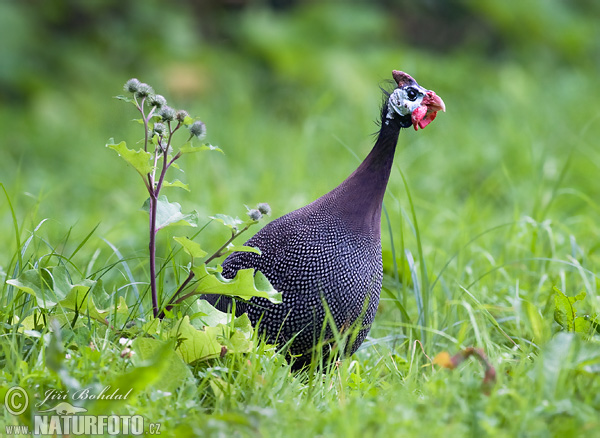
(433, 102)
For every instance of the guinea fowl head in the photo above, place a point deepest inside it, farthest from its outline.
(411, 104)
(359, 198)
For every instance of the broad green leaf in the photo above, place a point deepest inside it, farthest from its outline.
(155, 368)
(31, 324)
(564, 310)
(83, 297)
(191, 247)
(241, 248)
(81, 300)
(194, 344)
(152, 327)
(240, 340)
(228, 221)
(175, 373)
(140, 160)
(189, 148)
(176, 183)
(582, 325)
(169, 213)
(245, 284)
(39, 283)
(51, 286)
(208, 315)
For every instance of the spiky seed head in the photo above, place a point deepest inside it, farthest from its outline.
(159, 128)
(198, 129)
(143, 90)
(181, 115)
(264, 208)
(254, 214)
(157, 100)
(132, 85)
(167, 113)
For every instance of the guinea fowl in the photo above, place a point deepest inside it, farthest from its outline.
(325, 258)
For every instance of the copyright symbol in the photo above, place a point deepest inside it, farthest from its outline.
(16, 400)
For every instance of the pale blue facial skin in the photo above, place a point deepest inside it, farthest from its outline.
(399, 102)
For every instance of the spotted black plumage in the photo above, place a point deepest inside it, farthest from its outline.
(326, 254)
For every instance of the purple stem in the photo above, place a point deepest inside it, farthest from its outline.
(152, 248)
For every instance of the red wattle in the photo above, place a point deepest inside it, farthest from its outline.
(428, 119)
(417, 116)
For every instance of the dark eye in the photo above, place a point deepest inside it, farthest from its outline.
(411, 93)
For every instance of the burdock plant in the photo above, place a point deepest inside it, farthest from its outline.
(161, 123)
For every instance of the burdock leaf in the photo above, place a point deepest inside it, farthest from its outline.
(246, 284)
(140, 160)
(564, 310)
(582, 325)
(81, 300)
(125, 98)
(175, 373)
(228, 221)
(208, 315)
(189, 148)
(191, 247)
(169, 213)
(194, 344)
(176, 183)
(39, 283)
(240, 248)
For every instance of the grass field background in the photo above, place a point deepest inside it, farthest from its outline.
(499, 212)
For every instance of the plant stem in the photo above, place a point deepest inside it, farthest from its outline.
(152, 249)
(152, 211)
(163, 171)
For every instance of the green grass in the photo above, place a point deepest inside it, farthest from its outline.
(488, 210)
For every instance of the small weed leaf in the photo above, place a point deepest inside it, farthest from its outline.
(144, 374)
(194, 344)
(81, 300)
(245, 284)
(147, 349)
(191, 247)
(240, 248)
(39, 283)
(228, 221)
(204, 314)
(140, 160)
(176, 183)
(52, 289)
(189, 148)
(169, 213)
(240, 339)
(565, 313)
(125, 98)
